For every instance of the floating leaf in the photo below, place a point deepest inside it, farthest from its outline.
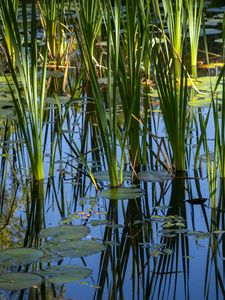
(19, 256)
(219, 231)
(104, 175)
(65, 232)
(198, 235)
(210, 31)
(179, 224)
(157, 218)
(154, 176)
(19, 281)
(162, 207)
(58, 100)
(168, 251)
(196, 200)
(115, 226)
(79, 248)
(168, 225)
(155, 253)
(64, 274)
(188, 257)
(56, 74)
(121, 193)
(198, 102)
(103, 80)
(203, 157)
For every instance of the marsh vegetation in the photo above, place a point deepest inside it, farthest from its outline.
(112, 144)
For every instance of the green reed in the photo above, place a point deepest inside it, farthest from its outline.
(7, 38)
(86, 36)
(219, 107)
(53, 19)
(27, 91)
(89, 14)
(176, 18)
(173, 96)
(194, 13)
(134, 48)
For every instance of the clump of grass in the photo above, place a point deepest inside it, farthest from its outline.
(173, 95)
(176, 18)
(194, 13)
(27, 91)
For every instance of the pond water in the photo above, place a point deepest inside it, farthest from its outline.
(163, 237)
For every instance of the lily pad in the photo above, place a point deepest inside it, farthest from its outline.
(104, 175)
(19, 281)
(64, 274)
(56, 74)
(196, 200)
(198, 102)
(78, 248)
(19, 256)
(65, 232)
(58, 100)
(203, 157)
(121, 193)
(154, 176)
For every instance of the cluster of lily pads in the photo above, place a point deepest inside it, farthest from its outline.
(58, 242)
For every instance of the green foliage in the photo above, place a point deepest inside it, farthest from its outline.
(28, 92)
(194, 13)
(173, 95)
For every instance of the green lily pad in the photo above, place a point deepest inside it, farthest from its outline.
(203, 157)
(78, 248)
(104, 175)
(216, 9)
(65, 232)
(121, 193)
(19, 281)
(207, 83)
(56, 74)
(196, 200)
(58, 100)
(210, 31)
(19, 256)
(198, 102)
(154, 176)
(168, 251)
(64, 274)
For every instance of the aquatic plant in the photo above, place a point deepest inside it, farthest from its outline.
(219, 108)
(133, 51)
(173, 95)
(28, 91)
(194, 14)
(15, 5)
(53, 19)
(107, 122)
(176, 19)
